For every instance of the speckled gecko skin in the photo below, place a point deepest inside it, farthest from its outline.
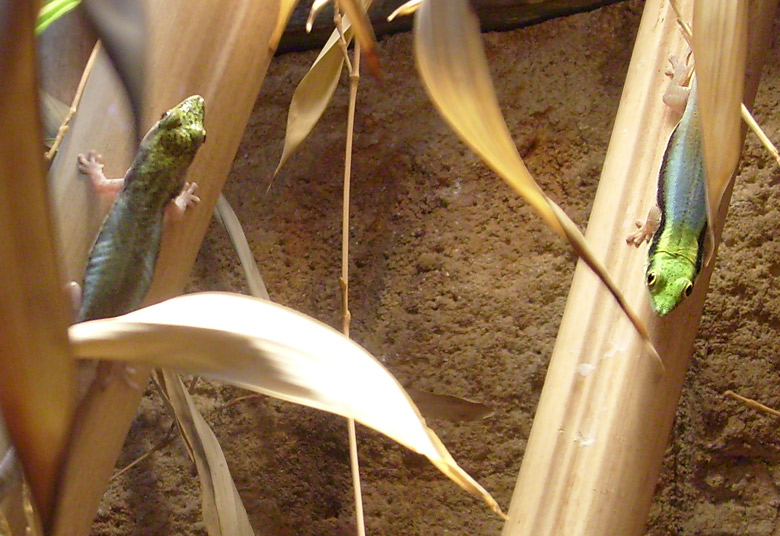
(122, 262)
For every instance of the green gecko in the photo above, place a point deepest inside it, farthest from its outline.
(121, 265)
(678, 225)
(122, 262)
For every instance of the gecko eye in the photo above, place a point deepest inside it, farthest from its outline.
(164, 115)
(688, 290)
(652, 279)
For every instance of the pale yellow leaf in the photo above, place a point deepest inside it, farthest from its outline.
(316, 7)
(404, 9)
(227, 218)
(454, 70)
(315, 90)
(223, 512)
(272, 350)
(720, 53)
(431, 405)
(448, 407)
(313, 94)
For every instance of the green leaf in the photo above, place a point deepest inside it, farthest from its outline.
(53, 10)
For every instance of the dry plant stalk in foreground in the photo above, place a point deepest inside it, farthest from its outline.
(220, 74)
(603, 420)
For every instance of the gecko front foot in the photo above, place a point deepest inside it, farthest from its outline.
(91, 165)
(677, 92)
(645, 231)
(186, 199)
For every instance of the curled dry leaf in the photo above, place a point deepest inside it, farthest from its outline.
(223, 512)
(315, 90)
(454, 70)
(356, 10)
(448, 407)
(272, 350)
(313, 94)
(720, 52)
(316, 7)
(226, 216)
(431, 405)
(404, 9)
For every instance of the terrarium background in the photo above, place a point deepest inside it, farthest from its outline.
(458, 288)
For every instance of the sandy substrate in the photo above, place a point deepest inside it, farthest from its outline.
(458, 287)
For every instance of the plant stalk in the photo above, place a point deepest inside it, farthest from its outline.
(346, 316)
(601, 429)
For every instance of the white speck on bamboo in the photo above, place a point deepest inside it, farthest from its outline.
(584, 440)
(585, 368)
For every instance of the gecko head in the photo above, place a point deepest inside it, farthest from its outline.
(669, 280)
(180, 130)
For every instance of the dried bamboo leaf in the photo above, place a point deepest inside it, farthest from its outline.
(720, 52)
(431, 405)
(356, 10)
(228, 219)
(448, 407)
(37, 373)
(223, 511)
(315, 90)
(404, 9)
(454, 70)
(272, 350)
(316, 7)
(313, 94)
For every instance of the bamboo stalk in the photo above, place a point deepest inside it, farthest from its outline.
(354, 80)
(604, 417)
(221, 54)
(36, 371)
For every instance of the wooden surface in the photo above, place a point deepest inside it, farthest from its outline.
(605, 413)
(221, 54)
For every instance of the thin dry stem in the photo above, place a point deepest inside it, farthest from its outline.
(160, 445)
(354, 78)
(338, 20)
(355, 465)
(169, 434)
(749, 402)
(756, 128)
(74, 105)
(684, 26)
(234, 402)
